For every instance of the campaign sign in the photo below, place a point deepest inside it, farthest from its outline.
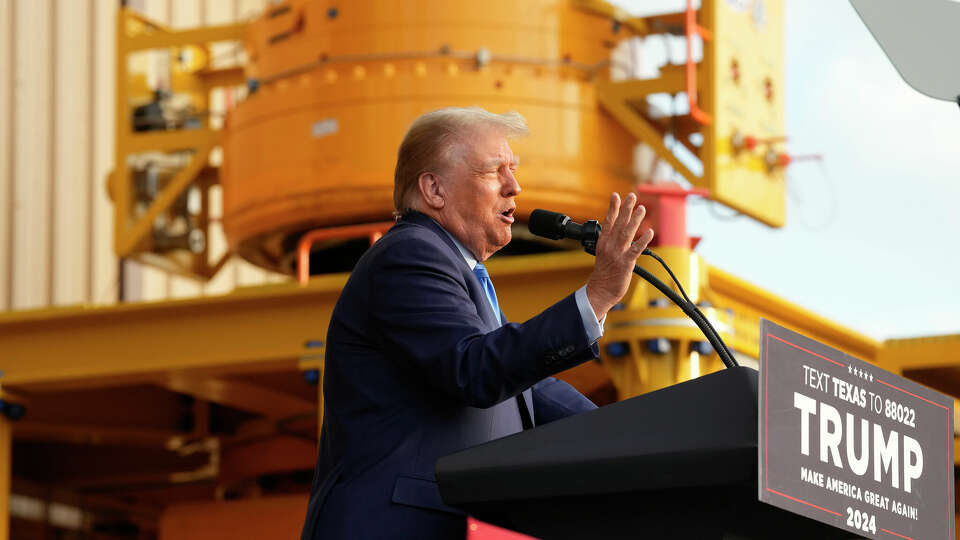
(846, 443)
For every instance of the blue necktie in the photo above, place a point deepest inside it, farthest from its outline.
(481, 272)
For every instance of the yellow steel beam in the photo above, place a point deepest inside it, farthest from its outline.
(222, 77)
(165, 39)
(266, 328)
(169, 141)
(750, 302)
(614, 98)
(899, 355)
(261, 328)
(256, 328)
(240, 395)
(672, 79)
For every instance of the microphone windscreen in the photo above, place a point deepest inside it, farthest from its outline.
(547, 224)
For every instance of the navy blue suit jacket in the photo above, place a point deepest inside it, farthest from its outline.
(418, 366)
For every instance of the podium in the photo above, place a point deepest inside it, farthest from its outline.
(680, 462)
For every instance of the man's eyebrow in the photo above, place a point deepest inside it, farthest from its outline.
(496, 163)
(493, 163)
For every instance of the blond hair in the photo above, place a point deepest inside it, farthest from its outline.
(433, 141)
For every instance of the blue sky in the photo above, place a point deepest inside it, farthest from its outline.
(871, 244)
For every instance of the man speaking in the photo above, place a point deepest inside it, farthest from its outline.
(420, 360)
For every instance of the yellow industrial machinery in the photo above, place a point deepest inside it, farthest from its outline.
(214, 402)
(335, 89)
(164, 139)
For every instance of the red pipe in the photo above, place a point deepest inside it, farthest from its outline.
(372, 230)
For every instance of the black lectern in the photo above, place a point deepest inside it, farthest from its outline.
(676, 463)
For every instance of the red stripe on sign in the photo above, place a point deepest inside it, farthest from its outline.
(896, 534)
(803, 501)
(806, 350)
(766, 394)
(912, 394)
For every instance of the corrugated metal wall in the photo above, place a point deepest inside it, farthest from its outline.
(56, 148)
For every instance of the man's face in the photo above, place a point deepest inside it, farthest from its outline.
(479, 189)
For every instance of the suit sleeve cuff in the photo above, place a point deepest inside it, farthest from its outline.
(592, 327)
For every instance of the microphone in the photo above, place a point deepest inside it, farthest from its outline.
(556, 226)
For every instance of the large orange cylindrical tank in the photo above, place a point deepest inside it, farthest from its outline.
(338, 83)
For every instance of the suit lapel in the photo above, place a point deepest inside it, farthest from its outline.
(477, 294)
(479, 297)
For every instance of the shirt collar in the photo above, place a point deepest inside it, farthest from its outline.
(467, 256)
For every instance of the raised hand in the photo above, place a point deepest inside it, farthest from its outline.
(617, 252)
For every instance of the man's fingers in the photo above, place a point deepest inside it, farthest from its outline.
(613, 210)
(636, 219)
(641, 243)
(626, 211)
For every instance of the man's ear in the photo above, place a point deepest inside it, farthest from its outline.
(431, 190)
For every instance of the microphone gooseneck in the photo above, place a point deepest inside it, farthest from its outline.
(557, 226)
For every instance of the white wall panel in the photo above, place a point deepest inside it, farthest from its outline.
(32, 119)
(103, 286)
(72, 153)
(7, 64)
(152, 284)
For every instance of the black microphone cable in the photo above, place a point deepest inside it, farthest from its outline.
(692, 305)
(689, 308)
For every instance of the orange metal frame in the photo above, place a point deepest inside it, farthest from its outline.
(373, 230)
(693, 28)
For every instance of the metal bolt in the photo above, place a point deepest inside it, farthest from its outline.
(617, 349)
(702, 347)
(13, 411)
(659, 345)
(482, 57)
